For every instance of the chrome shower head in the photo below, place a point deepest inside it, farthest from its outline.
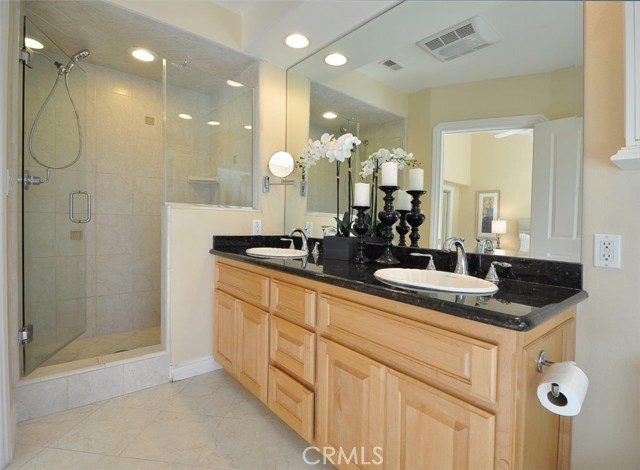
(81, 54)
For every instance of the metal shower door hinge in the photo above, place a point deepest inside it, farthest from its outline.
(25, 56)
(26, 334)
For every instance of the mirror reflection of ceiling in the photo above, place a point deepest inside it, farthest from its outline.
(108, 31)
(538, 36)
(323, 99)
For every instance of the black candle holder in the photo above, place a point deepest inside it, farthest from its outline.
(388, 216)
(415, 218)
(402, 228)
(360, 227)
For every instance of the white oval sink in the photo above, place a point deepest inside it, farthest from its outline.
(423, 279)
(266, 252)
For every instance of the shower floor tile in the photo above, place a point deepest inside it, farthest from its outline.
(85, 348)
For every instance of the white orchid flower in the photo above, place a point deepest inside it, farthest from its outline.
(383, 155)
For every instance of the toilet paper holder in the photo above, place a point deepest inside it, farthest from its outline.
(541, 363)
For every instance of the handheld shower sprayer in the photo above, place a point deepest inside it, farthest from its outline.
(81, 54)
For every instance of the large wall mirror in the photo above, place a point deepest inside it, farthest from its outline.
(488, 96)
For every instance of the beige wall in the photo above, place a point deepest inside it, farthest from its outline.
(515, 96)
(606, 433)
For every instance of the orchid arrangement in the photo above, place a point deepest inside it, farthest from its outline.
(335, 150)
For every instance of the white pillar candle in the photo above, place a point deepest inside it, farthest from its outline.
(416, 179)
(404, 201)
(389, 174)
(361, 197)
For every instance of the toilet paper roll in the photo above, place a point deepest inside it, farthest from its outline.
(572, 386)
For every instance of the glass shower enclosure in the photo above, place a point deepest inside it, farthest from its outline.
(56, 202)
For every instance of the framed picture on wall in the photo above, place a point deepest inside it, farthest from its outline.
(487, 210)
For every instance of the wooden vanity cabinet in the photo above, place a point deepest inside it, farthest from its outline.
(241, 329)
(392, 385)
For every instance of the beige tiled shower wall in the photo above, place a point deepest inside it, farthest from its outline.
(122, 167)
(125, 165)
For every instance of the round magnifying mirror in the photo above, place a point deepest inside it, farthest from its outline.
(281, 164)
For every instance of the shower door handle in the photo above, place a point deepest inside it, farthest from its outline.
(87, 195)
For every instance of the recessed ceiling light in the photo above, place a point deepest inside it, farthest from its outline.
(335, 59)
(213, 123)
(235, 84)
(185, 116)
(140, 53)
(329, 115)
(33, 44)
(296, 41)
(248, 127)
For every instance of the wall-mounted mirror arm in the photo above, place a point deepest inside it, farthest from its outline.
(266, 183)
(281, 165)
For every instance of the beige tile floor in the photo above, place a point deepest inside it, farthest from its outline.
(83, 348)
(208, 421)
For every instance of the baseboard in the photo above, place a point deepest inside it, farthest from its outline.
(193, 367)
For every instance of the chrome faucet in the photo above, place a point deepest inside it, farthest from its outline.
(461, 254)
(305, 247)
(430, 266)
(483, 248)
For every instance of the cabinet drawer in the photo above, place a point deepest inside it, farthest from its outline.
(293, 303)
(245, 285)
(292, 402)
(293, 348)
(429, 353)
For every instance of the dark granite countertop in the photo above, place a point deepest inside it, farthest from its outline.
(531, 292)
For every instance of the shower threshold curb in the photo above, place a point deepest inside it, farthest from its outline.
(81, 366)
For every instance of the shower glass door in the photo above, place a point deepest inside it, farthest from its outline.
(55, 199)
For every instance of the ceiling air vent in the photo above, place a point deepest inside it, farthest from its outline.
(462, 38)
(392, 64)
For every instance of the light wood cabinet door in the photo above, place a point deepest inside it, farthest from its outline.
(225, 331)
(253, 349)
(427, 429)
(350, 406)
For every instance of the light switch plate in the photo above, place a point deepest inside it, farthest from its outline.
(607, 250)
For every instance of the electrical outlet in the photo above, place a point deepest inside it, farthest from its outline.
(308, 229)
(257, 227)
(607, 250)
